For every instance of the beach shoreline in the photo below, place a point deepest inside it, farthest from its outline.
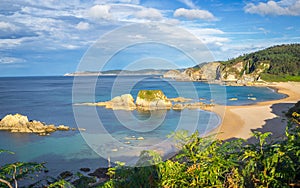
(240, 121)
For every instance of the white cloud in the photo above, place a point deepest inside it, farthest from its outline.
(7, 26)
(83, 26)
(9, 43)
(263, 30)
(70, 46)
(149, 13)
(194, 14)
(188, 3)
(213, 40)
(289, 28)
(117, 1)
(284, 7)
(206, 31)
(9, 60)
(100, 12)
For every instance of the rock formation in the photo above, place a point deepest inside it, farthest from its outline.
(123, 102)
(20, 123)
(240, 73)
(173, 74)
(180, 99)
(152, 100)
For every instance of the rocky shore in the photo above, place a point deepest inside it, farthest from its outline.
(18, 123)
(150, 100)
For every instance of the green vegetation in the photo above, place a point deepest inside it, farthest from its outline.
(206, 162)
(11, 173)
(279, 78)
(294, 112)
(201, 162)
(283, 62)
(151, 95)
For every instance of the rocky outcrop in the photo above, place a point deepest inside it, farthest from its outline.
(173, 74)
(192, 106)
(177, 75)
(123, 102)
(152, 100)
(203, 72)
(242, 73)
(178, 106)
(180, 99)
(210, 71)
(20, 123)
(239, 73)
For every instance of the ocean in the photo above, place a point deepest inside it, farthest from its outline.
(119, 135)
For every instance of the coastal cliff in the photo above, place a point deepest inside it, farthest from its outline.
(277, 63)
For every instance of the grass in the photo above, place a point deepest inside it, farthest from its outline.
(150, 95)
(280, 78)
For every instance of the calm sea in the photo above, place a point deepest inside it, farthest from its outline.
(51, 99)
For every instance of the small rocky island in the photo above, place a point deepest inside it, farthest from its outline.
(150, 100)
(20, 124)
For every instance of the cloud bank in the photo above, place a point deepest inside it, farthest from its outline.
(284, 7)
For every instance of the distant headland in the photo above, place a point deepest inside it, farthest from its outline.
(118, 72)
(273, 64)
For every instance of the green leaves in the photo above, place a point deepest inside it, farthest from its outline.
(61, 184)
(6, 151)
(206, 162)
(11, 173)
(200, 162)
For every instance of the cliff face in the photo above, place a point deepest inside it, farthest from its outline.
(277, 62)
(209, 71)
(240, 72)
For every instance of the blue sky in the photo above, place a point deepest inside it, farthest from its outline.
(50, 37)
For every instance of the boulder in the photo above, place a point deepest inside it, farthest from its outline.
(152, 100)
(63, 128)
(12, 120)
(19, 124)
(178, 106)
(123, 102)
(85, 169)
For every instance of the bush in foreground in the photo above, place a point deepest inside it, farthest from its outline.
(201, 162)
(206, 162)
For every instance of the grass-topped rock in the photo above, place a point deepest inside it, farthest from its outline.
(152, 99)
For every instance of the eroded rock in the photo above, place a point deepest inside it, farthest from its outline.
(18, 123)
(123, 102)
(180, 99)
(152, 100)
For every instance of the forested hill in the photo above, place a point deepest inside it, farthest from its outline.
(283, 60)
(277, 63)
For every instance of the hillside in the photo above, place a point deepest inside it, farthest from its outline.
(280, 61)
(277, 63)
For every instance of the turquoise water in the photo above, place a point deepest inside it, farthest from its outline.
(50, 99)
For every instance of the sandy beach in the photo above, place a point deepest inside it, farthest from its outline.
(239, 121)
